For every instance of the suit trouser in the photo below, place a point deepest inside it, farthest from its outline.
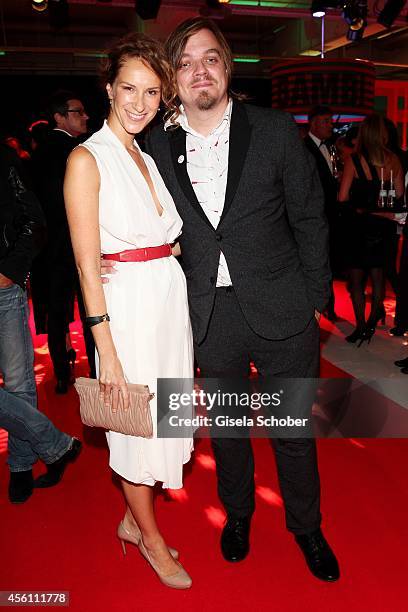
(61, 292)
(88, 336)
(64, 285)
(228, 348)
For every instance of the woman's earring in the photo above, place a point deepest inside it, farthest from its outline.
(110, 101)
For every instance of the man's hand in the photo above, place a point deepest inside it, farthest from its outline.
(176, 250)
(5, 281)
(318, 315)
(107, 268)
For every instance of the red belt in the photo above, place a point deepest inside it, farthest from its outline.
(146, 254)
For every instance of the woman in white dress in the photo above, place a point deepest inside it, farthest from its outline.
(116, 201)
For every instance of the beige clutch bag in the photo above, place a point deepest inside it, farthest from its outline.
(136, 421)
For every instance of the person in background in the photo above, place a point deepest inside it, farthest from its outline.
(399, 281)
(55, 286)
(401, 312)
(34, 431)
(32, 435)
(394, 144)
(318, 143)
(343, 150)
(368, 229)
(346, 145)
(352, 137)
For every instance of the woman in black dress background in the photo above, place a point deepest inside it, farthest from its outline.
(368, 229)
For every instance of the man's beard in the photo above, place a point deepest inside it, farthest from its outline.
(205, 101)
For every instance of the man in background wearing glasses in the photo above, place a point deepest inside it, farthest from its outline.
(58, 281)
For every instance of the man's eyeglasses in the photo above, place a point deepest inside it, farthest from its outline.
(81, 111)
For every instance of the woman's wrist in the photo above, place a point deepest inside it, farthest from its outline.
(107, 354)
(96, 320)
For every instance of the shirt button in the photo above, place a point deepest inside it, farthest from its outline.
(218, 237)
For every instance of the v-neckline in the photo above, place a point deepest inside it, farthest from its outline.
(160, 216)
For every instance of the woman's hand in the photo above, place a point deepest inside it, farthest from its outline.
(112, 383)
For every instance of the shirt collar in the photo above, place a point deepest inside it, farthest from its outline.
(183, 122)
(315, 139)
(65, 132)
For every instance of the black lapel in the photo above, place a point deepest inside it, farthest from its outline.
(314, 149)
(178, 153)
(240, 135)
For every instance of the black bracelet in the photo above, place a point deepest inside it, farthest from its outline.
(91, 321)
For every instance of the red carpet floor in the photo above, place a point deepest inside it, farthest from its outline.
(64, 538)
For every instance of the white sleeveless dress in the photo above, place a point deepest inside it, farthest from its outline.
(146, 301)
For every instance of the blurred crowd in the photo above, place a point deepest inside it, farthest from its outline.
(364, 176)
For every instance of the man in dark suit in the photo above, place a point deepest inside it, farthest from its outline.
(317, 142)
(69, 119)
(254, 248)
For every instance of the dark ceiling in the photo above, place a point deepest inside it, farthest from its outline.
(267, 30)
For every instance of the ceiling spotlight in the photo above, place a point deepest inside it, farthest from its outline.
(319, 7)
(39, 5)
(215, 9)
(355, 15)
(216, 3)
(390, 12)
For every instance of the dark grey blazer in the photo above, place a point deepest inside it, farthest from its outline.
(273, 231)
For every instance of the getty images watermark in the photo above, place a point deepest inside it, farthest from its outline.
(228, 408)
(222, 402)
(282, 408)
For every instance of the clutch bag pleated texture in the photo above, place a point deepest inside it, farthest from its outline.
(136, 421)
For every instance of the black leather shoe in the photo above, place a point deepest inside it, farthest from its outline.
(56, 470)
(20, 486)
(319, 556)
(402, 363)
(404, 371)
(235, 539)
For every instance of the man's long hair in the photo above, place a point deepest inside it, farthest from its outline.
(176, 43)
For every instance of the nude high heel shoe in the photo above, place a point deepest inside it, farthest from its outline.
(179, 580)
(134, 537)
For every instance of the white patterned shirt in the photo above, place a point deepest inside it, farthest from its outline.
(207, 168)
